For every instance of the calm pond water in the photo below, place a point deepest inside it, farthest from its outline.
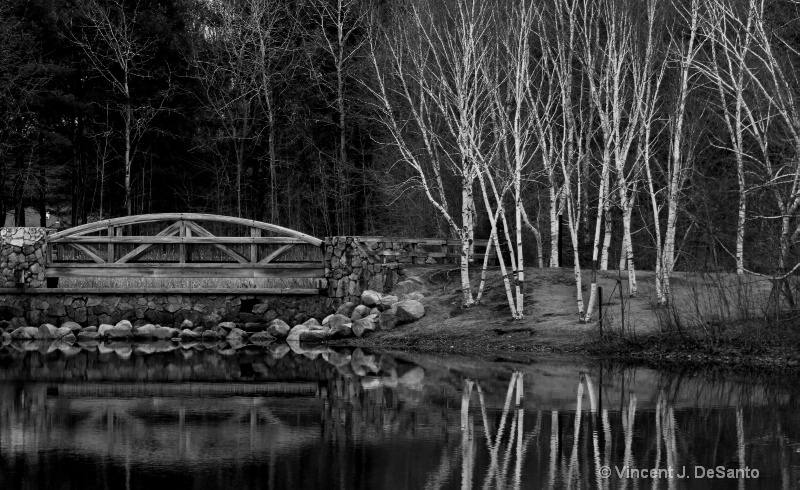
(163, 415)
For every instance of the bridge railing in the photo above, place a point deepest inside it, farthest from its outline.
(184, 247)
(419, 250)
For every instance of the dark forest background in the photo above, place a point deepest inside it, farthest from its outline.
(269, 123)
(262, 109)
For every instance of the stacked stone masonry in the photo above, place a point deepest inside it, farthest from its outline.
(23, 252)
(205, 310)
(350, 269)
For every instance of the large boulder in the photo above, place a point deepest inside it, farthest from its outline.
(312, 323)
(46, 331)
(236, 335)
(302, 333)
(74, 327)
(294, 333)
(346, 309)
(84, 335)
(62, 332)
(341, 330)
(119, 333)
(416, 295)
(278, 328)
(316, 335)
(165, 332)
(387, 320)
(387, 301)
(253, 327)
(335, 320)
(124, 324)
(187, 334)
(409, 311)
(362, 326)
(5, 338)
(103, 328)
(370, 298)
(406, 287)
(145, 331)
(359, 312)
(24, 333)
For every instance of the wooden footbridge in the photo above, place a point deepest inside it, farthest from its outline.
(193, 245)
(183, 245)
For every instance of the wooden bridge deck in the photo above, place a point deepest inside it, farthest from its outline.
(183, 247)
(206, 246)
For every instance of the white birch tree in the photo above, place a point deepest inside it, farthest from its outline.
(731, 44)
(428, 66)
(563, 134)
(768, 65)
(685, 46)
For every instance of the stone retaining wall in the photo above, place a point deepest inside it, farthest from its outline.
(167, 310)
(350, 269)
(23, 250)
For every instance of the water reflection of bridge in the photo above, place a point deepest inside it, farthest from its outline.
(548, 425)
(80, 390)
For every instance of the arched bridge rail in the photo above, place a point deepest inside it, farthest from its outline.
(109, 248)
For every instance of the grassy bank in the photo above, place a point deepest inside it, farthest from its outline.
(717, 320)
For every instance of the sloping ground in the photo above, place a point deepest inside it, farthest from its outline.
(551, 315)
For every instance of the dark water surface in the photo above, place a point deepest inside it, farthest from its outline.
(163, 415)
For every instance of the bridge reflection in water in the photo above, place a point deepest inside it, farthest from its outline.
(327, 418)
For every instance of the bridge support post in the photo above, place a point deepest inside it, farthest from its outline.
(23, 257)
(350, 268)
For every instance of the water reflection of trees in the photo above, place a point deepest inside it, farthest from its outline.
(358, 416)
(577, 443)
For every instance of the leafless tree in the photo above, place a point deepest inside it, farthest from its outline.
(111, 39)
(430, 68)
(563, 121)
(338, 27)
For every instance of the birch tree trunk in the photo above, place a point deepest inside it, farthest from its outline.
(598, 223)
(678, 154)
(467, 239)
(537, 236)
(555, 219)
(626, 257)
(512, 304)
(607, 229)
(445, 99)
